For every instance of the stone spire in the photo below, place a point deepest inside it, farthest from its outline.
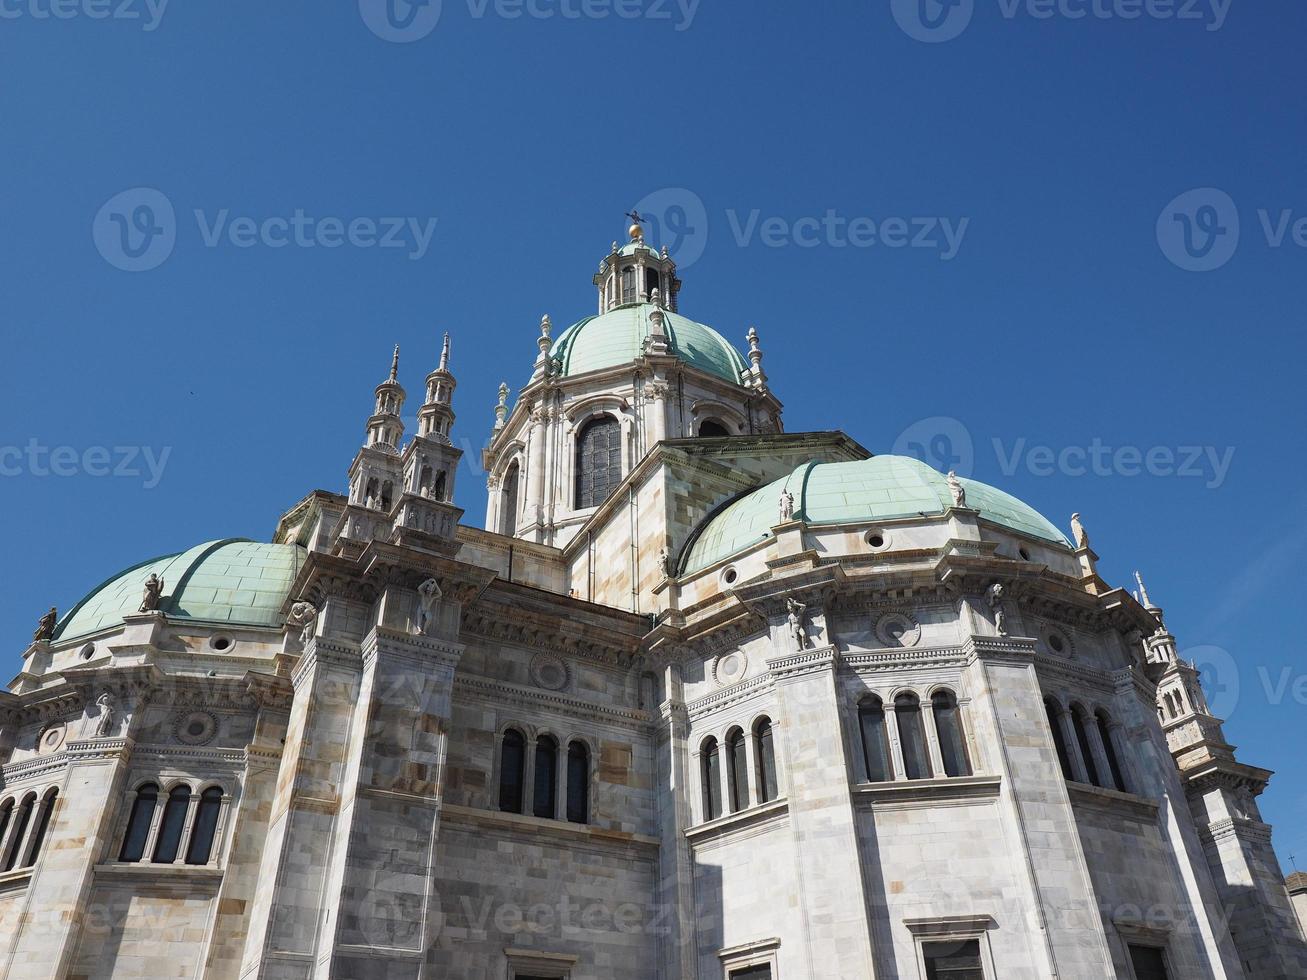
(501, 410)
(543, 343)
(757, 378)
(657, 342)
(385, 429)
(436, 417)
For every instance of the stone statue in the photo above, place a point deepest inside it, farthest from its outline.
(304, 615)
(428, 593)
(665, 562)
(1078, 532)
(956, 488)
(996, 596)
(45, 628)
(153, 593)
(105, 725)
(787, 506)
(797, 613)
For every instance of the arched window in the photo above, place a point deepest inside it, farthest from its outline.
(508, 502)
(578, 782)
(710, 773)
(1054, 712)
(172, 825)
(650, 281)
(952, 742)
(1081, 724)
(44, 812)
(138, 824)
(1113, 763)
(712, 429)
(512, 770)
(545, 802)
(23, 818)
(206, 826)
(439, 490)
(737, 769)
(598, 460)
(765, 752)
(912, 736)
(875, 740)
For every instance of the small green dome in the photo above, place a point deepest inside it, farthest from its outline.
(879, 488)
(617, 337)
(234, 582)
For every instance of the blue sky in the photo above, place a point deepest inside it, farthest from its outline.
(828, 147)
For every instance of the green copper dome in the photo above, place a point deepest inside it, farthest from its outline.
(878, 488)
(617, 337)
(234, 582)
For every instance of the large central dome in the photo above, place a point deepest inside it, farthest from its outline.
(617, 337)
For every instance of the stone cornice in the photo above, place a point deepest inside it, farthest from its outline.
(501, 692)
(897, 658)
(916, 794)
(535, 828)
(735, 827)
(1113, 802)
(1241, 829)
(734, 694)
(804, 662)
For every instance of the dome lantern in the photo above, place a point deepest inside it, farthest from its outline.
(635, 271)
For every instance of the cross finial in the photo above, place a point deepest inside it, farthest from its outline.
(637, 221)
(1294, 861)
(394, 364)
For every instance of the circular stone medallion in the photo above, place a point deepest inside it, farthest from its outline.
(896, 629)
(549, 672)
(729, 668)
(195, 728)
(51, 738)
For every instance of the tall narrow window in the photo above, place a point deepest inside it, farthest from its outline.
(512, 767)
(1113, 763)
(628, 284)
(952, 742)
(765, 751)
(172, 825)
(6, 814)
(912, 736)
(578, 782)
(545, 801)
(953, 960)
(737, 769)
(710, 771)
(21, 820)
(650, 281)
(875, 744)
(508, 502)
(438, 492)
(206, 826)
(138, 824)
(43, 814)
(598, 460)
(1081, 725)
(1054, 712)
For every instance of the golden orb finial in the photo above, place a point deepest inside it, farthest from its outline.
(637, 233)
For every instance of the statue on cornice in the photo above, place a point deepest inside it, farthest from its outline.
(786, 506)
(105, 725)
(45, 628)
(303, 615)
(428, 594)
(996, 597)
(152, 594)
(956, 488)
(1079, 533)
(797, 612)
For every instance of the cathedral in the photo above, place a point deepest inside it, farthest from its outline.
(705, 699)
